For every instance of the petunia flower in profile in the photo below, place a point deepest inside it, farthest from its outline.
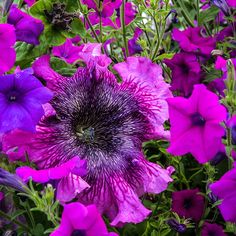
(66, 177)
(193, 40)
(22, 96)
(11, 180)
(67, 51)
(232, 125)
(219, 83)
(224, 189)
(105, 123)
(28, 29)
(185, 72)
(78, 219)
(209, 229)
(133, 46)
(176, 226)
(188, 204)
(196, 123)
(7, 41)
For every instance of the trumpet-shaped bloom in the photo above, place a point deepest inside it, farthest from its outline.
(132, 43)
(188, 204)
(185, 72)
(105, 123)
(28, 29)
(193, 40)
(195, 122)
(224, 189)
(21, 99)
(67, 51)
(7, 41)
(78, 219)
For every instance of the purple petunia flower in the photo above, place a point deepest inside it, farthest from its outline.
(224, 189)
(67, 51)
(188, 204)
(185, 72)
(212, 229)
(7, 41)
(193, 40)
(132, 43)
(232, 125)
(22, 96)
(105, 123)
(176, 226)
(28, 29)
(78, 219)
(11, 180)
(67, 177)
(196, 123)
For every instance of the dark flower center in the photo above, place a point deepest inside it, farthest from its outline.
(78, 233)
(12, 96)
(59, 18)
(187, 203)
(185, 69)
(97, 120)
(212, 233)
(198, 119)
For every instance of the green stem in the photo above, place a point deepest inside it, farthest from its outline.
(198, 12)
(4, 215)
(122, 19)
(184, 12)
(88, 21)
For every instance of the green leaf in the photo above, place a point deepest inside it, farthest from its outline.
(165, 56)
(26, 53)
(37, 10)
(208, 15)
(212, 74)
(78, 27)
(53, 36)
(38, 230)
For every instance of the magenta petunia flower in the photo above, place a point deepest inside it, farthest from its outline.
(212, 229)
(188, 204)
(7, 41)
(185, 72)
(132, 43)
(78, 219)
(219, 83)
(193, 40)
(149, 77)
(67, 51)
(67, 177)
(130, 13)
(105, 123)
(196, 123)
(28, 29)
(224, 189)
(108, 7)
(30, 2)
(22, 96)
